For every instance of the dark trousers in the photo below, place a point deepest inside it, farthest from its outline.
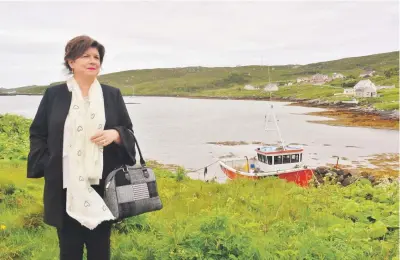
(73, 236)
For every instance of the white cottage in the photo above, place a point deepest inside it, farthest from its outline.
(303, 79)
(271, 87)
(250, 87)
(337, 76)
(365, 88)
(367, 74)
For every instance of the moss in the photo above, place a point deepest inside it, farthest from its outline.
(352, 118)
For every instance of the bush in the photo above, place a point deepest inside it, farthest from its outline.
(391, 72)
(180, 174)
(33, 219)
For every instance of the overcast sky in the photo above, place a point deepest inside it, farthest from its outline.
(140, 35)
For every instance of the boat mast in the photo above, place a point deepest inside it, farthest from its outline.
(267, 119)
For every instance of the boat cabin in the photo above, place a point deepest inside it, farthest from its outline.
(272, 157)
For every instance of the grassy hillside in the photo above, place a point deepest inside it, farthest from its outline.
(229, 81)
(266, 219)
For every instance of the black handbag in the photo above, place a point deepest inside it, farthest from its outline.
(132, 190)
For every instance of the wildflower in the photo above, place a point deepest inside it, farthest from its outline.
(2, 227)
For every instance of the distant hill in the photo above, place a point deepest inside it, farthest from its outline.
(197, 80)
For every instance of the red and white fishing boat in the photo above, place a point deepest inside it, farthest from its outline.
(282, 161)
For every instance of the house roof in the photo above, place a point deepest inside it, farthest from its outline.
(365, 85)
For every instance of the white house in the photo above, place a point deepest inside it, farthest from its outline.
(365, 88)
(303, 79)
(367, 74)
(349, 91)
(271, 87)
(337, 76)
(250, 87)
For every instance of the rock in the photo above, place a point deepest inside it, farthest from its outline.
(372, 179)
(348, 181)
(338, 171)
(322, 170)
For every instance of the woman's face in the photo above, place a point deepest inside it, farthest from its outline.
(88, 64)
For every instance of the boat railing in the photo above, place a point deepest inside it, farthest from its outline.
(240, 164)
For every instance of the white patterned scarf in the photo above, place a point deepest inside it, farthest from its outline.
(83, 159)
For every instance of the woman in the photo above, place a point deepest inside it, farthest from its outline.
(80, 134)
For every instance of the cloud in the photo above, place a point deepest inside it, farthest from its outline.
(149, 34)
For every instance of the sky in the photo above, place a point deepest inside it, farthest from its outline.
(151, 34)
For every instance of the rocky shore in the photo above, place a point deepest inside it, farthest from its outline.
(345, 177)
(384, 114)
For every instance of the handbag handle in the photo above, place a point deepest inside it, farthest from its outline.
(142, 162)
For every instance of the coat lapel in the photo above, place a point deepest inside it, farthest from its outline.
(64, 102)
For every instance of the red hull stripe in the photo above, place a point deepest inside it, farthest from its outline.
(300, 177)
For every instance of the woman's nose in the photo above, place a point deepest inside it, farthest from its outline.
(93, 60)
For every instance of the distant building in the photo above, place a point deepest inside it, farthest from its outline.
(303, 79)
(250, 87)
(337, 76)
(271, 87)
(365, 88)
(367, 74)
(319, 79)
(383, 87)
(349, 91)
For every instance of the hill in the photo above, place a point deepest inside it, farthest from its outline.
(194, 80)
(229, 82)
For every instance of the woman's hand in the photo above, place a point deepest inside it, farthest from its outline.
(105, 137)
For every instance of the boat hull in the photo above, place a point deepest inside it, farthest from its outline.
(299, 176)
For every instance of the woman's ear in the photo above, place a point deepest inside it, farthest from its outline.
(71, 64)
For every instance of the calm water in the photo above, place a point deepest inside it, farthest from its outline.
(176, 130)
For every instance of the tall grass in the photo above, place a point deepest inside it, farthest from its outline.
(244, 219)
(266, 219)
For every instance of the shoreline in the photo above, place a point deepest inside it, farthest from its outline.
(343, 114)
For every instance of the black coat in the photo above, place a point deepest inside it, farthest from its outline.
(46, 145)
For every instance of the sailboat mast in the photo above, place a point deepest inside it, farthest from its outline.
(272, 114)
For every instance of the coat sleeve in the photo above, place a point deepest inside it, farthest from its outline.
(38, 153)
(127, 144)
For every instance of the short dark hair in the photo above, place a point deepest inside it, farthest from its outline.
(77, 46)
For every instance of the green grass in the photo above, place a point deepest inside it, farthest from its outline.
(244, 219)
(267, 219)
(388, 99)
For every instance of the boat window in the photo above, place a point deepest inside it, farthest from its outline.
(278, 159)
(294, 158)
(301, 157)
(261, 158)
(269, 160)
(286, 159)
